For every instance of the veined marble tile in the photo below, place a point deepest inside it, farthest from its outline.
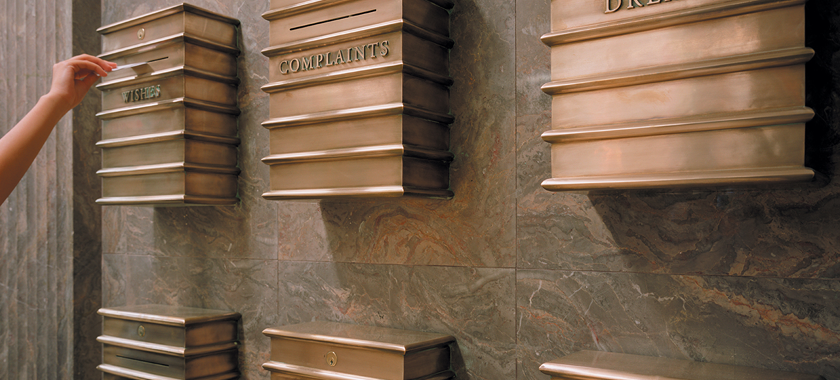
(472, 304)
(786, 324)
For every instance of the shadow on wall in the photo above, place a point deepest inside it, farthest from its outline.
(741, 276)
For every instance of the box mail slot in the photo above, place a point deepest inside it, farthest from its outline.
(676, 94)
(350, 81)
(170, 114)
(328, 350)
(177, 342)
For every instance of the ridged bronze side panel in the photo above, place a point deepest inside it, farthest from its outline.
(173, 118)
(681, 93)
(348, 78)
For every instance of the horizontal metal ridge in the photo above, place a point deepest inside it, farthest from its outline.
(744, 119)
(585, 365)
(164, 200)
(130, 373)
(166, 349)
(359, 33)
(298, 8)
(183, 7)
(753, 61)
(357, 113)
(180, 134)
(167, 104)
(168, 315)
(310, 373)
(662, 20)
(364, 192)
(359, 152)
(357, 73)
(175, 38)
(165, 73)
(168, 167)
(730, 177)
(312, 5)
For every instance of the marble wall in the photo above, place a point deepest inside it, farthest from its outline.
(518, 275)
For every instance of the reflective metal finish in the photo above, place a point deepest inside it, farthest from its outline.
(169, 111)
(359, 98)
(596, 365)
(329, 350)
(169, 342)
(650, 94)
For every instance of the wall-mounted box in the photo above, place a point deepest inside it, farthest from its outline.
(158, 342)
(651, 94)
(597, 365)
(169, 133)
(359, 98)
(329, 350)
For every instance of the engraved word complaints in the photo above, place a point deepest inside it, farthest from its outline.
(337, 57)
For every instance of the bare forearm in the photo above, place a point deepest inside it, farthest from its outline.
(21, 145)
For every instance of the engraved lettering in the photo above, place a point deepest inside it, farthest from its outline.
(610, 9)
(142, 93)
(306, 63)
(653, 2)
(340, 56)
(631, 2)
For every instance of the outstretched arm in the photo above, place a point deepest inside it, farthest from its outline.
(18, 148)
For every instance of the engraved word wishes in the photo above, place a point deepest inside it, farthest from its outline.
(338, 57)
(631, 4)
(139, 94)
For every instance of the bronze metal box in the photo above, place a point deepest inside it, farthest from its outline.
(359, 98)
(596, 365)
(158, 342)
(169, 133)
(329, 350)
(660, 93)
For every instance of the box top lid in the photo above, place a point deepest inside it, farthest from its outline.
(382, 338)
(596, 365)
(168, 315)
(183, 7)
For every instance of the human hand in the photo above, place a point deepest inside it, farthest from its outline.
(73, 78)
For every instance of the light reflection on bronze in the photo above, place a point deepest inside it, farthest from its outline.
(359, 99)
(169, 118)
(696, 94)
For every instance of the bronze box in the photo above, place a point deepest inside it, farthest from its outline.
(597, 365)
(330, 350)
(359, 98)
(169, 126)
(660, 93)
(158, 342)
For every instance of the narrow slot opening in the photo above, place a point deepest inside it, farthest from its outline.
(333, 19)
(142, 361)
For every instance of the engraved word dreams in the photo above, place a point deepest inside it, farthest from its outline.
(615, 5)
(139, 94)
(317, 61)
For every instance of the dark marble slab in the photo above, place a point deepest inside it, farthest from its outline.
(785, 324)
(472, 304)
